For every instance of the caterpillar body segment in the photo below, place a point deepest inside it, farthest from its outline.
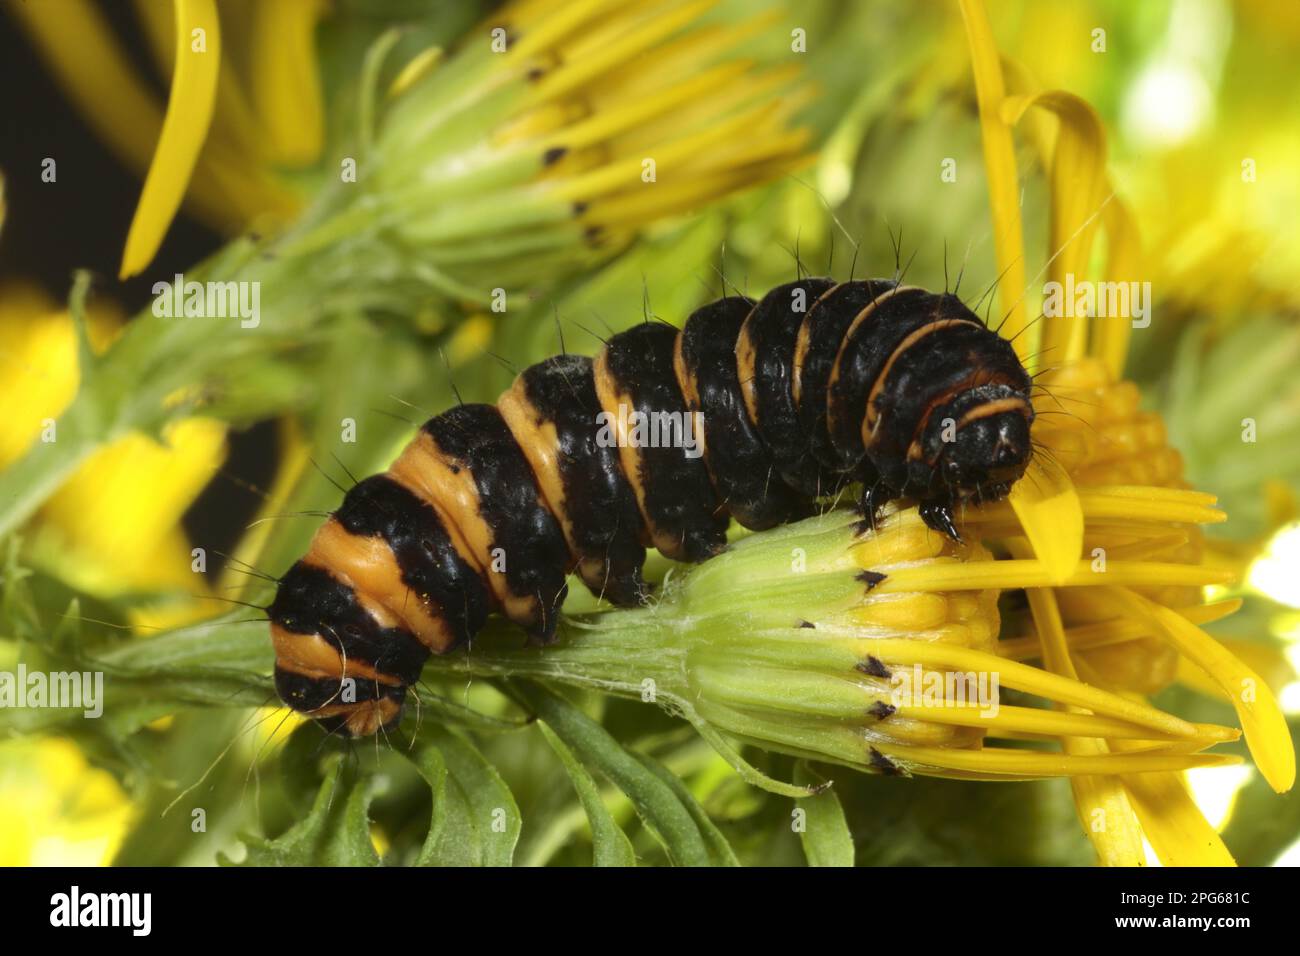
(635, 374)
(550, 408)
(753, 411)
(739, 460)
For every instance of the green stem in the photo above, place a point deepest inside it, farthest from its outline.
(163, 368)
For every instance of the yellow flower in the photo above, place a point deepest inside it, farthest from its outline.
(556, 132)
(244, 102)
(113, 527)
(535, 143)
(1124, 623)
(897, 666)
(620, 86)
(59, 811)
(1207, 142)
(877, 650)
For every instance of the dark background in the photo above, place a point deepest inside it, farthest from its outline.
(81, 221)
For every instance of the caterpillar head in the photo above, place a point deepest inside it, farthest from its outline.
(344, 706)
(982, 445)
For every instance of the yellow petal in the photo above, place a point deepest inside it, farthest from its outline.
(1031, 764)
(1033, 722)
(1032, 680)
(1000, 168)
(1267, 660)
(39, 371)
(1108, 816)
(233, 122)
(1049, 510)
(1103, 805)
(1078, 195)
(416, 69)
(59, 809)
(1118, 630)
(285, 82)
(557, 22)
(1124, 264)
(1173, 823)
(79, 48)
(185, 127)
(470, 340)
(601, 126)
(1261, 718)
(949, 574)
(103, 529)
(718, 147)
(623, 49)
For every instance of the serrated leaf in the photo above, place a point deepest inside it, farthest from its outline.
(429, 764)
(335, 833)
(347, 843)
(610, 845)
(482, 820)
(826, 838)
(656, 803)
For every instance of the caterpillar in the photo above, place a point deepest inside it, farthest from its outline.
(816, 386)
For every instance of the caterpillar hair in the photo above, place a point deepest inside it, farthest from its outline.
(773, 405)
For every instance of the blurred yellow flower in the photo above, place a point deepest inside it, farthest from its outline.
(1208, 147)
(1111, 450)
(59, 810)
(113, 528)
(244, 102)
(38, 362)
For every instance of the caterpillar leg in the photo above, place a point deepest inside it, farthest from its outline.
(938, 516)
(875, 495)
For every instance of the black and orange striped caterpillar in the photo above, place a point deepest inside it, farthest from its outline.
(816, 386)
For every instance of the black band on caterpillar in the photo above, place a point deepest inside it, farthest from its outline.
(816, 348)
(635, 375)
(526, 559)
(765, 355)
(753, 411)
(740, 462)
(550, 409)
(449, 590)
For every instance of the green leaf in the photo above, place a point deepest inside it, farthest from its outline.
(482, 820)
(826, 838)
(446, 711)
(184, 771)
(748, 772)
(335, 833)
(610, 845)
(719, 849)
(656, 803)
(348, 843)
(429, 764)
